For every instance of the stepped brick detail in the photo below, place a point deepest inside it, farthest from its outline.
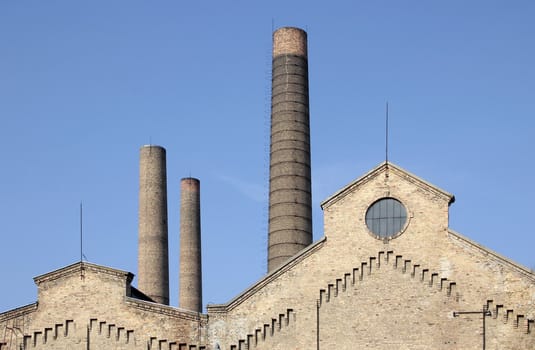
(261, 333)
(163, 344)
(97, 333)
(517, 320)
(104, 332)
(58, 332)
(432, 279)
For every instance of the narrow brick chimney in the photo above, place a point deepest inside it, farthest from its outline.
(290, 198)
(153, 259)
(190, 278)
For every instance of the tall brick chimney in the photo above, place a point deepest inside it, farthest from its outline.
(190, 278)
(153, 259)
(290, 198)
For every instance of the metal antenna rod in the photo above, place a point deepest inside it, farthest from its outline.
(81, 233)
(81, 245)
(386, 134)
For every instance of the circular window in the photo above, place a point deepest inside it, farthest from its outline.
(386, 218)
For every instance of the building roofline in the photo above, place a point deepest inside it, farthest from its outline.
(382, 167)
(465, 241)
(19, 311)
(246, 294)
(81, 266)
(163, 309)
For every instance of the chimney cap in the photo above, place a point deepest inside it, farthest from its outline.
(189, 179)
(290, 40)
(153, 146)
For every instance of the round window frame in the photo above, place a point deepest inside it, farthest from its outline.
(395, 235)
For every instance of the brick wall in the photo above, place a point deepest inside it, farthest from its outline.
(86, 303)
(368, 293)
(405, 290)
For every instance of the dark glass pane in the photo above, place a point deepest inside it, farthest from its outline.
(375, 212)
(403, 212)
(386, 217)
(397, 225)
(376, 225)
(397, 211)
(382, 227)
(382, 205)
(389, 208)
(390, 226)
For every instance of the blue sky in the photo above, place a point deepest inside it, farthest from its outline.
(84, 84)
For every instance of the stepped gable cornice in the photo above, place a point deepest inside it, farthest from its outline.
(380, 169)
(75, 269)
(502, 260)
(222, 308)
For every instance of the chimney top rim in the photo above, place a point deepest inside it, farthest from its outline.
(290, 28)
(153, 146)
(189, 178)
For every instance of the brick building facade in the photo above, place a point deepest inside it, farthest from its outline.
(388, 273)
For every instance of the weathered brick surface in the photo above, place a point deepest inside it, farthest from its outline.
(153, 257)
(88, 303)
(408, 307)
(290, 195)
(397, 294)
(190, 277)
(288, 40)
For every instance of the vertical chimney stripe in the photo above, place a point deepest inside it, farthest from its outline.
(153, 260)
(290, 199)
(190, 279)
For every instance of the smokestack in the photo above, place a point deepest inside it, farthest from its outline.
(190, 278)
(153, 260)
(290, 198)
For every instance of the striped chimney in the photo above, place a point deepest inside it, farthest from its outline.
(153, 260)
(190, 278)
(290, 198)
